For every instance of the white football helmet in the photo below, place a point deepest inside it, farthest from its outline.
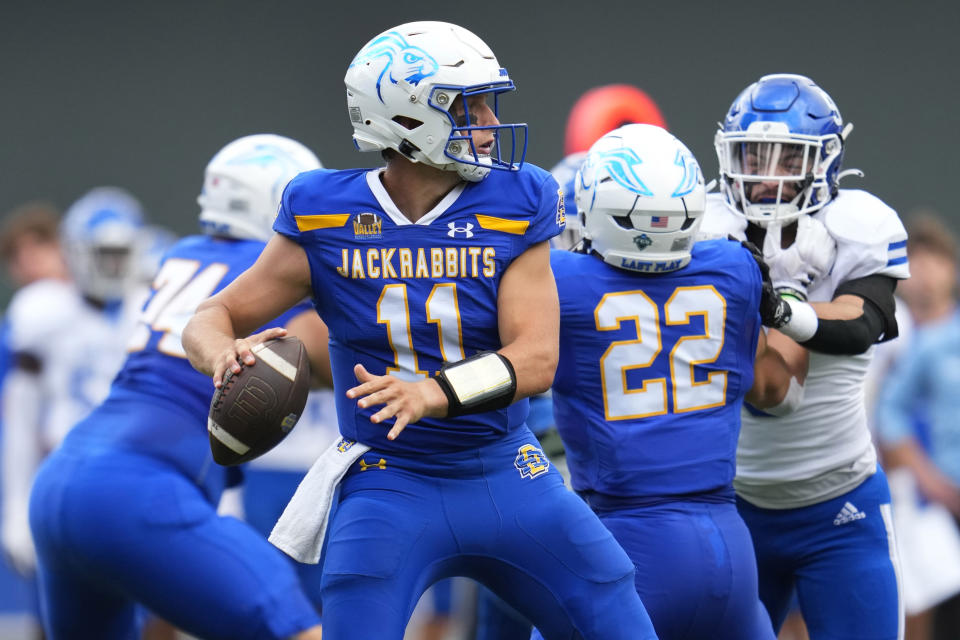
(244, 181)
(100, 235)
(413, 73)
(640, 198)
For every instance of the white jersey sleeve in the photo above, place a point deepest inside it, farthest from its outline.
(871, 233)
(39, 312)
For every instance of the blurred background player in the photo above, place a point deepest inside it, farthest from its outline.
(270, 480)
(66, 340)
(453, 482)
(30, 251)
(808, 484)
(659, 338)
(125, 510)
(30, 245)
(917, 426)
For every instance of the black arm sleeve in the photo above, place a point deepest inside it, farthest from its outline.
(877, 324)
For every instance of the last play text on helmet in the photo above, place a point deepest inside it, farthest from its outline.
(400, 90)
(244, 181)
(100, 236)
(780, 148)
(640, 198)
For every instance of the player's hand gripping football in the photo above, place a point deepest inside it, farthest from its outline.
(241, 351)
(406, 401)
(808, 259)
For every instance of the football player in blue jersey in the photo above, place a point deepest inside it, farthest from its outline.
(660, 343)
(124, 512)
(808, 484)
(433, 277)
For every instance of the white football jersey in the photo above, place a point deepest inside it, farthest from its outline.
(823, 449)
(80, 349)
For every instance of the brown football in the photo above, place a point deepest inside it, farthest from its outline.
(255, 409)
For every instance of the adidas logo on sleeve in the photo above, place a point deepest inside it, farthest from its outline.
(849, 513)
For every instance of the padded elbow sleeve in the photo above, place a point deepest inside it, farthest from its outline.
(848, 337)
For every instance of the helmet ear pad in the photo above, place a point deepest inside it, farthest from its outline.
(640, 196)
(413, 74)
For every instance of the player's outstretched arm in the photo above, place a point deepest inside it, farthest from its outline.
(279, 279)
(529, 314)
(779, 372)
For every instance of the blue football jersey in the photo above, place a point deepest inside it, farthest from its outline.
(157, 379)
(403, 298)
(653, 370)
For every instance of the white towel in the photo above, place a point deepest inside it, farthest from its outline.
(301, 528)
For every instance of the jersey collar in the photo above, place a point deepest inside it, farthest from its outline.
(389, 208)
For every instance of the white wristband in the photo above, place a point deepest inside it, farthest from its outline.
(479, 379)
(803, 321)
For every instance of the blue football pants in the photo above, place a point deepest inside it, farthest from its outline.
(498, 514)
(112, 530)
(839, 555)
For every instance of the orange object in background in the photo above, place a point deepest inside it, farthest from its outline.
(603, 109)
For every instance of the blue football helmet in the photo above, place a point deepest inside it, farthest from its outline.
(100, 235)
(780, 148)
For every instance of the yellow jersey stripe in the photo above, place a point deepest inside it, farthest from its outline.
(518, 227)
(325, 221)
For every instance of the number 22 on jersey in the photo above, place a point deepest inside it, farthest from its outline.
(691, 351)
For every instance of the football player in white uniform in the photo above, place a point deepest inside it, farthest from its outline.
(808, 483)
(67, 342)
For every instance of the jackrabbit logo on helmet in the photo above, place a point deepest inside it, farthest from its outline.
(403, 62)
(620, 164)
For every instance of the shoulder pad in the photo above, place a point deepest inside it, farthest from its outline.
(858, 216)
(719, 220)
(40, 310)
(870, 237)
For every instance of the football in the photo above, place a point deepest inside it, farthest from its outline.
(255, 409)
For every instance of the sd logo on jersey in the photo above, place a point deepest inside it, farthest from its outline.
(531, 462)
(561, 210)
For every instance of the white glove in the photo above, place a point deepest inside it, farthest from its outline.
(18, 543)
(808, 259)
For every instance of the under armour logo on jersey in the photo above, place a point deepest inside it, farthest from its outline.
(531, 462)
(466, 230)
(849, 513)
(379, 464)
